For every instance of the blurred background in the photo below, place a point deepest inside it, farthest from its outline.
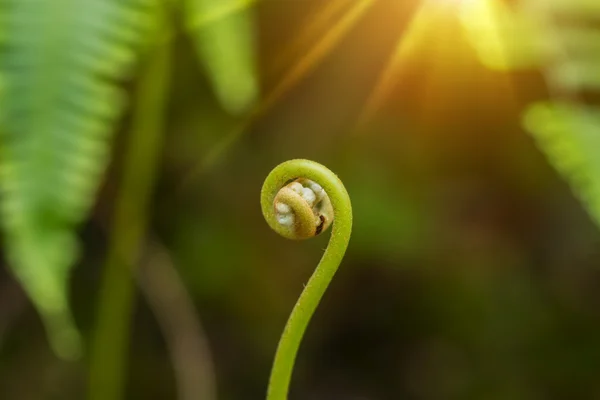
(472, 269)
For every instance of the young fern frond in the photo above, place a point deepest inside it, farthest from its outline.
(61, 63)
(299, 199)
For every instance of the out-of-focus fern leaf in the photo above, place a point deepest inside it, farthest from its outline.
(560, 40)
(570, 136)
(60, 64)
(567, 127)
(563, 39)
(223, 35)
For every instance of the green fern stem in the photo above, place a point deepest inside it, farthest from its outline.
(293, 212)
(110, 340)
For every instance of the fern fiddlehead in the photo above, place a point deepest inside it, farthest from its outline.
(299, 200)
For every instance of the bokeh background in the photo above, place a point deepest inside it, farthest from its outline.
(472, 269)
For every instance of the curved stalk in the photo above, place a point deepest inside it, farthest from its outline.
(278, 182)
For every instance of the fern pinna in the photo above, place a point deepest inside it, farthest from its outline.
(61, 64)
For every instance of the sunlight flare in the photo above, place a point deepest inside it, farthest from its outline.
(431, 22)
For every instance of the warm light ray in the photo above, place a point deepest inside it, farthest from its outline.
(440, 55)
(318, 52)
(455, 65)
(507, 81)
(390, 74)
(501, 39)
(429, 25)
(504, 38)
(312, 58)
(311, 29)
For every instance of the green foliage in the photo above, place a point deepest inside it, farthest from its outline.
(567, 128)
(62, 66)
(570, 136)
(222, 32)
(62, 63)
(108, 350)
(560, 38)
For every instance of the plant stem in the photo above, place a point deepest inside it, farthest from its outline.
(110, 341)
(319, 281)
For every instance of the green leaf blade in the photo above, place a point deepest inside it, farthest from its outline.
(223, 35)
(61, 66)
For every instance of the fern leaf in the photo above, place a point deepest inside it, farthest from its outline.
(61, 63)
(559, 37)
(569, 134)
(222, 32)
(567, 127)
